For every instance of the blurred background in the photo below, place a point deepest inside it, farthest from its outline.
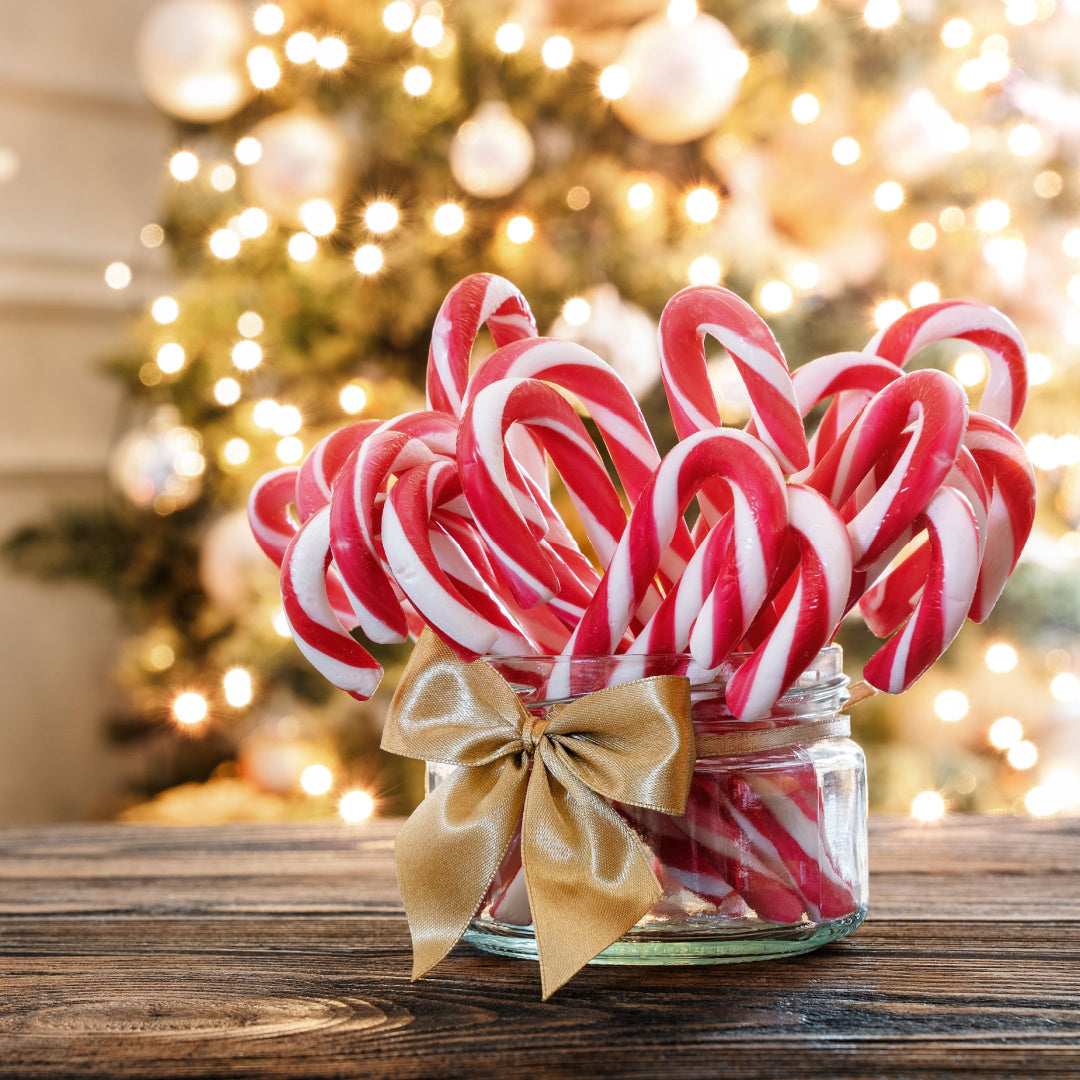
(225, 229)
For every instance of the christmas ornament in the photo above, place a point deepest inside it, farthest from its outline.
(683, 79)
(232, 568)
(189, 55)
(304, 156)
(917, 137)
(492, 152)
(620, 332)
(160, 465)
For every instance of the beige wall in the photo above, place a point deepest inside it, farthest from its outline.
(90, 155)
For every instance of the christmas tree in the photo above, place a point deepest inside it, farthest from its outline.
(338, 166)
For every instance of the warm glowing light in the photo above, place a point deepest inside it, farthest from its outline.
(190, 708)
(1040, 369)
(353, 398)
(170, 357)
(301, 47)
(236, 451)
(223, 178)
(1040, 802)
(614, 82)
(889, 196)
(704, 270)
(1063, 784)
(316, 779)
(846, 150)
(356, 806)
(184, 165)
(1005, 253)
(318, 217)
(640, 196)
(956, 33)
(557, 52)
(1068, 449)
(995, 59)
(397, 17)
(969, 368)
(288, 420)
(248, 150)
(952, 219)
(331, 53)
(1073, 288)
(263, 69)
(290, 450)
(268, 19)
(887, 312)
(302, 246)
(880, 14)
(1042, 452)
(428, 31)
(118, 275)
(162, 657)
(1005, 731)
(1023, 755)
(924, 292)
(165, 310)
(922, 236)
(801, 7)
(805, 109)
(972, 76)
(928, 806)
(227, 391)
(576, 311)
(702, 205)
(368, 259)
(993, 215)
(417, 81)
(265, 412)
(776, 296)
(509, 38)
(682, 12)
(247, 356)
(1001, 657)
(520, 229)
(578, 197)
(225, 244)
(1048, 184)
(1025, 140)
(381, 216)
(805, 275)
(1065, 687)
(449, 219)
(152, 235)
(250, 324)
(951, 705)
(252, 222)
(1070, 243)
(1021, 12)
(238, 689)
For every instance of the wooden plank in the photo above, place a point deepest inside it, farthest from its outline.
(281, 951)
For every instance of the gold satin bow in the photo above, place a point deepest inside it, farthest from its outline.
(587, 874)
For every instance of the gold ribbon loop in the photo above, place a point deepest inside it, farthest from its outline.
(588, 878)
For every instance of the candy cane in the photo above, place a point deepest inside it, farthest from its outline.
(315, 479)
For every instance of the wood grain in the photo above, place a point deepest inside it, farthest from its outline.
(282, 951)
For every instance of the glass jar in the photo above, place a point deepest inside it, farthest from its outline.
(769, 859)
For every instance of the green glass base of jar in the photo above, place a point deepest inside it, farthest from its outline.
(742, 941)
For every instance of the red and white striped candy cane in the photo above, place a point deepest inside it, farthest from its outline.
(315, 480)
(472, 302)
(701, 310)
(315, 626)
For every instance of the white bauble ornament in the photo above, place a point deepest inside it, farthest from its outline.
(917, 137)
(492, 152)
(304, 156)
(683, 79)
(190, 57)
(161, 465)
(621, 333)
(233, 570)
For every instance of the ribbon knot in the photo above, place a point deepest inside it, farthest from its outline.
(587, 874)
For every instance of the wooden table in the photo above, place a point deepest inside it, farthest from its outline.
(282, 951)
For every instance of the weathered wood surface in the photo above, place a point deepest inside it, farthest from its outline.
(282, 951)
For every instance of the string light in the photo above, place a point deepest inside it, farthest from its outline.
(702, 205)
(578, 197)
(956, 33)
(928, 806)
(887, 312)
(805, 275)
(1021, 12)
(227, 391)
(238, 688)
(952, 219)
(682, 12)
(880, 14)
(1039, 802)
(381, 216)
(805, 109)
(353, 398)
(152, 235)
(1001, 657)
(190, 708)
(331, 53)
(1022, 755)
(449, 219)
(184, 166)
(223, 178)
(509, 38)
(924, 292)
(287, 420)
(318, 217)
(801, 7)
(1065, 687)
(520, 229)
(992, 215)
(165, 310)
(301, 47)
(614, 82)
(397, 17)
(290, 450)
(888, 196)
(368, 259)
(1048, 184)
(640, 196)
(263, 69)
(252, 222)
(225, 244)
(170, 357)
(1068, 449)
(1005, 731)
(576, 311)
(302, 247)
(1042, 452)
(846, 150)
(776, 296)
(969, 369)
(704, 270)
(951, 706)
(248, 150)
(417, 81)
(250, 324)
(1040, 369)
(427, 31)
(356, 806)
(1025, 140)
(247, 356)
(922, 236)
(268, 19)
(162, 657)
(1063, 786)
(236, 451)
(264, 413)
(557, 52)
(316, 780)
